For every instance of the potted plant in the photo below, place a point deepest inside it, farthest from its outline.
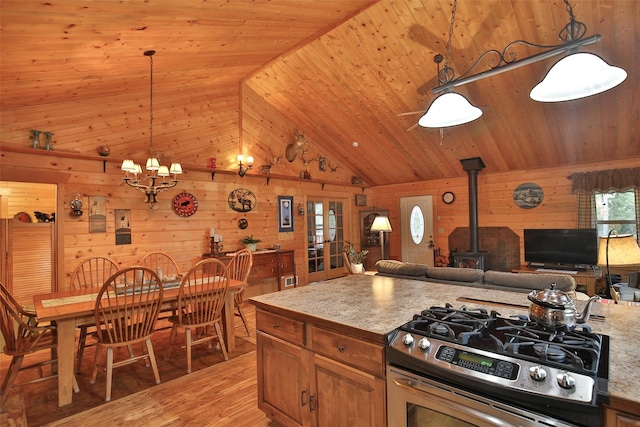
(356, 258)
(250, 243)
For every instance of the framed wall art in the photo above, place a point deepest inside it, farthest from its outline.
(242, 200)
(285, 213)
(97, 214)
(361, 200)
(528, 195)
(123, 226)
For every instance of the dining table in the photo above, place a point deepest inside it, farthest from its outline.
(72, 308)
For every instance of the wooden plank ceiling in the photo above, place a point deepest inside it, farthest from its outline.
(238, 75)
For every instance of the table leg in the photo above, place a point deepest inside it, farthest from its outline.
(66, 355)
(229, 323)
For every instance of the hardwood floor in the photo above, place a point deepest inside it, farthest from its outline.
(218, 393)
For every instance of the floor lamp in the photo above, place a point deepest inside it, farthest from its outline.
(617, 251)
(381, 224)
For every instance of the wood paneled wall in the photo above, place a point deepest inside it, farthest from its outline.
(26, 197)
(496, 207)
(187, 238)
(160, 228)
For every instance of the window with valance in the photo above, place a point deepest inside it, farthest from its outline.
(587, 185)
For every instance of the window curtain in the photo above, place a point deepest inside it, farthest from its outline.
(586, 184)
(587, 210)
(605, 181)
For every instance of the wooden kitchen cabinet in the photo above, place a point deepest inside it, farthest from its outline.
(315, 376)
(345, 395)
(616, 418)
(283, 391)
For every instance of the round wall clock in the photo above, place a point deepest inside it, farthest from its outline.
(448, 197)
(242, 200)
(185, 204)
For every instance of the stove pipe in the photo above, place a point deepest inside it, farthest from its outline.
(472, 166)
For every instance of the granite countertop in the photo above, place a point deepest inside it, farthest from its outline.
(379, 305)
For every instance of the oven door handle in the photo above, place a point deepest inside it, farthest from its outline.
(410, 385)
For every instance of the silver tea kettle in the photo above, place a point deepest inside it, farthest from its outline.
(555, 309)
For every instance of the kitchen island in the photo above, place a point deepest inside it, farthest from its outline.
(301, 327)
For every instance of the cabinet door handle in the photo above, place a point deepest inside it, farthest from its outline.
(312, 398)
(303, 401)
(276, 325)
(341, 349)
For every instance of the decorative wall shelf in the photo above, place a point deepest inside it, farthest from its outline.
(186, 167)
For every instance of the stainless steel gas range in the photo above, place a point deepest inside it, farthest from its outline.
(462, 367)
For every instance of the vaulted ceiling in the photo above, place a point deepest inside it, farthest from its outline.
(240, 76)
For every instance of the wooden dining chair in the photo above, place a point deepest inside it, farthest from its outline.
(126, 311)
(23, 336)
(201, 298)
(167, 268)
(89, 276)
(239, 269)
(162, 263)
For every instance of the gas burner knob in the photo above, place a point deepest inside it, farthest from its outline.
(424, 344)
(566, 381)
(407, 339)
(537, 373)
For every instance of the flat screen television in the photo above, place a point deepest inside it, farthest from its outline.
(568, 247)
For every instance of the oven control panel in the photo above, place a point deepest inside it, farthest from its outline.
(475, 362)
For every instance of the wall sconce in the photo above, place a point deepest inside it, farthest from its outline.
(300, 209)
(76, 206)
(242, 169)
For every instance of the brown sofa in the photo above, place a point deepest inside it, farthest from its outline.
(514, 282)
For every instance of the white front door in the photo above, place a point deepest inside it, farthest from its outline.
(416, 221)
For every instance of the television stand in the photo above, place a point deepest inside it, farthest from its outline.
(560, 267)
(586, 278)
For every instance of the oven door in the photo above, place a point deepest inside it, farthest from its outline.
(415, 401)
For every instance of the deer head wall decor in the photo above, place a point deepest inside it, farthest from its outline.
(292, 149)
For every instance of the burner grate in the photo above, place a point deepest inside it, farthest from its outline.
(576, 350)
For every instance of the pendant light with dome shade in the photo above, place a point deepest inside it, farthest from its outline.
(156, 179)
(450, 108)
(577, 75)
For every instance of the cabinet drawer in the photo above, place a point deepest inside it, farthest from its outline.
(281, 327)
(358, 353)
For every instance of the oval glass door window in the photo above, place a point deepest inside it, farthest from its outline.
(417, 224)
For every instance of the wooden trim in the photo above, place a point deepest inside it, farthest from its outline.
(58, 241)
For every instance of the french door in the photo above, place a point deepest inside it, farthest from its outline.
(326, 230)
